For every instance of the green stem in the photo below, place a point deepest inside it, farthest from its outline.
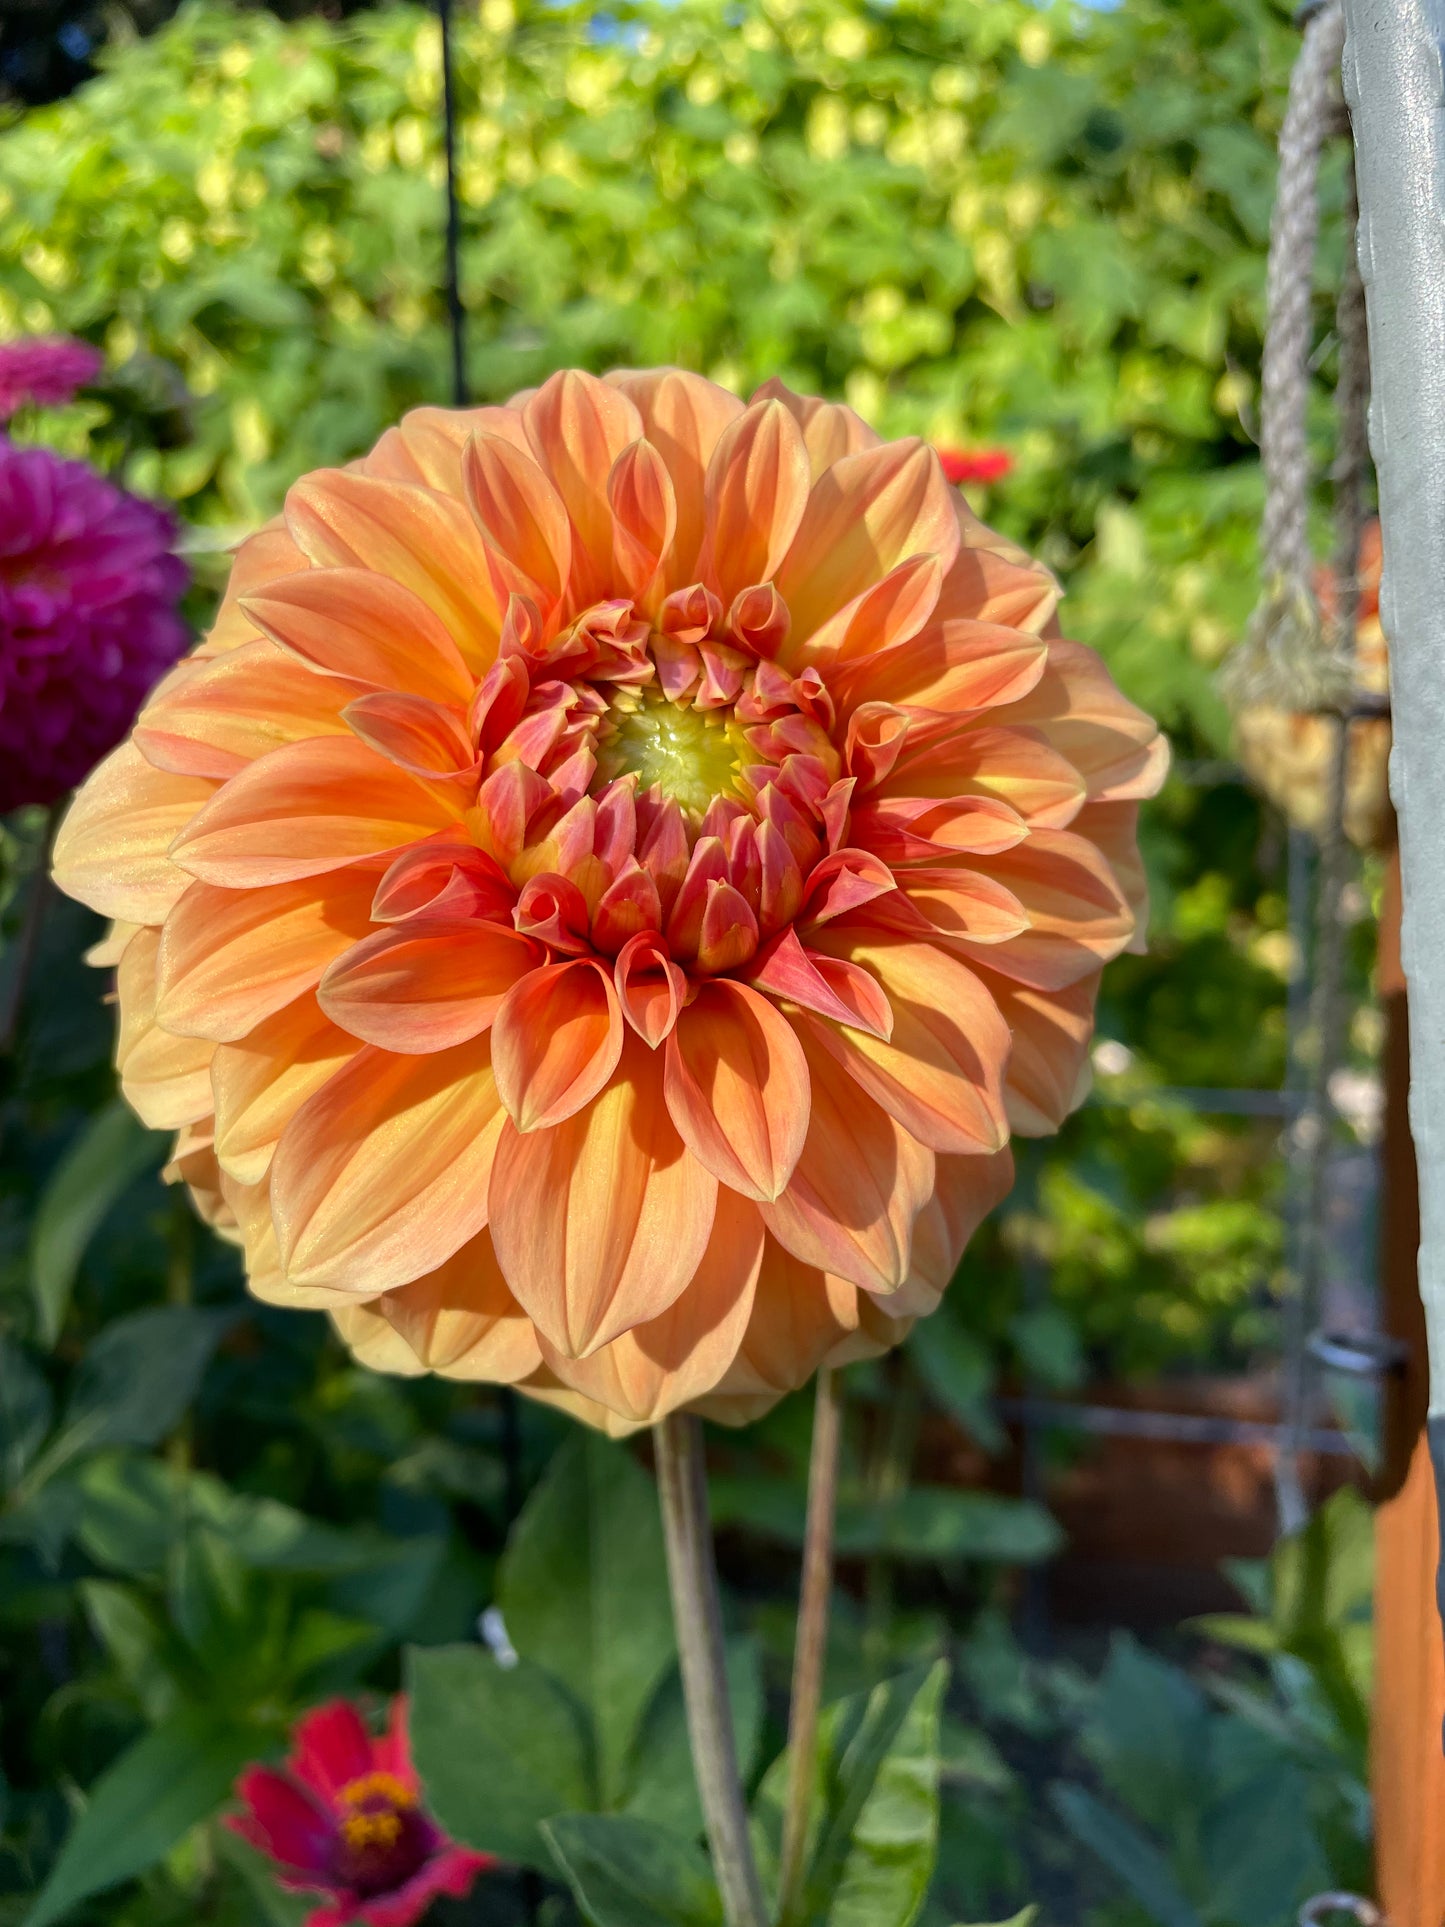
(697, 1617)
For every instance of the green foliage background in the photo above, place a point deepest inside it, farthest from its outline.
(985, 221)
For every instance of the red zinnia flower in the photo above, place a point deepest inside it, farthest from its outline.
(975, 464)
(344, 1818)
(44, 372)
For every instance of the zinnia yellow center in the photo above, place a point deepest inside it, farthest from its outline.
(690, 754)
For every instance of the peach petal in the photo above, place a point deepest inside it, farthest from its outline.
(960, 902)
(260, 1083)
(428, 740)
(427, 985)
(650, 986)
(557, 1038)
(303, 810)
(644, 511)
(1114, 829)
(365, 627)
(374, 1341)
(601, 1222)
(166, 1079)
(683, 417)
(435, 439)
(111, 850)
(1078, 916)
(954, 668)
(425, 541)
(230, 958)
(462, 1321)
(1049, 1074)
(213, 718)
(991, 580)
(445, 876)
(523, 522)
(663, 1364)
(858, 1184)
(736, 1083)
(868, 513)
(941, 1072)
(882, 617)
(830, 430)
(382, 1174)
(756, 493)
(825, 985)
(259, 559)
(577, 427)
(799, 1314)
(1019, 767)
(1118, 750)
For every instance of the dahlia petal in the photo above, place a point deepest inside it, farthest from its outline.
(966, 1189)
(728, 934)
(217, 716)
(523, 523)
(428, 740)
(303, 810)
(600, 1223)
(736, 1083)
(259, 559)
(650, 987)
(630, 906)
(844, 880)
(546, 1388)
(644, 518)
(259, 1084)
(1078, 916)
(960, 902)
(1014, 766)
(756, 492)
(283, 1821)
(941, 1072)
(427, 985)
(1048, 1074)
(920, 829)
(382, 1174)
(659, 1366)
(424, 540)
(577, 427)
(830, 430)
(166, 1079)
(1114, 829)
(825, 985)
(798, 1315)
(952, 667)
(992, 580)
(443, 877)
(868, 513)
(364, 627)
(683, 417)
(375, 1343)
(229, 958)
(111, 850)
(881, 618)
(858, 1184)
(556, 1041)
(436, 439)
(462, 1321)
(1118, 750)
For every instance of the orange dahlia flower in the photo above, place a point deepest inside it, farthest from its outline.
(601, 895)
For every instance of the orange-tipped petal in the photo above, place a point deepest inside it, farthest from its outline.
(229, 958)
(383, 1173)
(941, 1072)
(557, 1039)
(650, 986)
(365, 627)
(1114, 827)
(427, 984)
(1078, 916)
(259, 559)
(830, 430)
(736, 1082)
(826, 985)
(867, 514)
(1048, 1068)
(601, 1222)
(462, 1321)
(260, 1083)
(683, 417)
(858, 1185)
(960, 902)
(1018, 767)
(1118, 750)
(659, 1366)
(111, 851)
(425, 541)
(166, 1079)
(757, 490)
(436, 438)
(577, 427)
(799, 1315)
(303, 810)
(212, 718)
(884, 617)
(953, 668)
(522, 520)
(644, 517)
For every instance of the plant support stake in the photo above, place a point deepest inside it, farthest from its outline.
(1394, 74)
(697, 1616)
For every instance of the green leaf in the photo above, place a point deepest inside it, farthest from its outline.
(1023, 1918)
(137, 1639)
(583, 1589)
(99, 1168)
(873, 1833)
(958, 1368)
(159, 1788)
(624, 1872)
(943, 1524)
(135, 1382)
(500, 1749)
(663, 1787)
(1128, 1854)
(25, 1407)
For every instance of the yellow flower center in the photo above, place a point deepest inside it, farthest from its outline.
(378, 1801)
(690, 754)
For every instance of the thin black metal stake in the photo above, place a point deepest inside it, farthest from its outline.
(455, 312)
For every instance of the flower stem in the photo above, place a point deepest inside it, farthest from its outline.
(810, 1650)
(697, 1617)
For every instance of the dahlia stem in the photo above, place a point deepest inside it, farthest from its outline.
(697, 1617)
(28, 942)
(810, 1650)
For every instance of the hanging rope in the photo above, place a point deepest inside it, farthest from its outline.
(1284, 660)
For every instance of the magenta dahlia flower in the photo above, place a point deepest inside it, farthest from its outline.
(344, 1819)
(88, 618)
(44, 372)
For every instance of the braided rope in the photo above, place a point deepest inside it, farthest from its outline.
(1283, 660)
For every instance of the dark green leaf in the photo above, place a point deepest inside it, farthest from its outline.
(99, 1168)
(663, 1788)
(25, 1407)
(958, 1369)
(941, 1523)
(142, 1804)
(500, 1749)
(625, 1872)
(1128, 1854)
(583, 1589)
